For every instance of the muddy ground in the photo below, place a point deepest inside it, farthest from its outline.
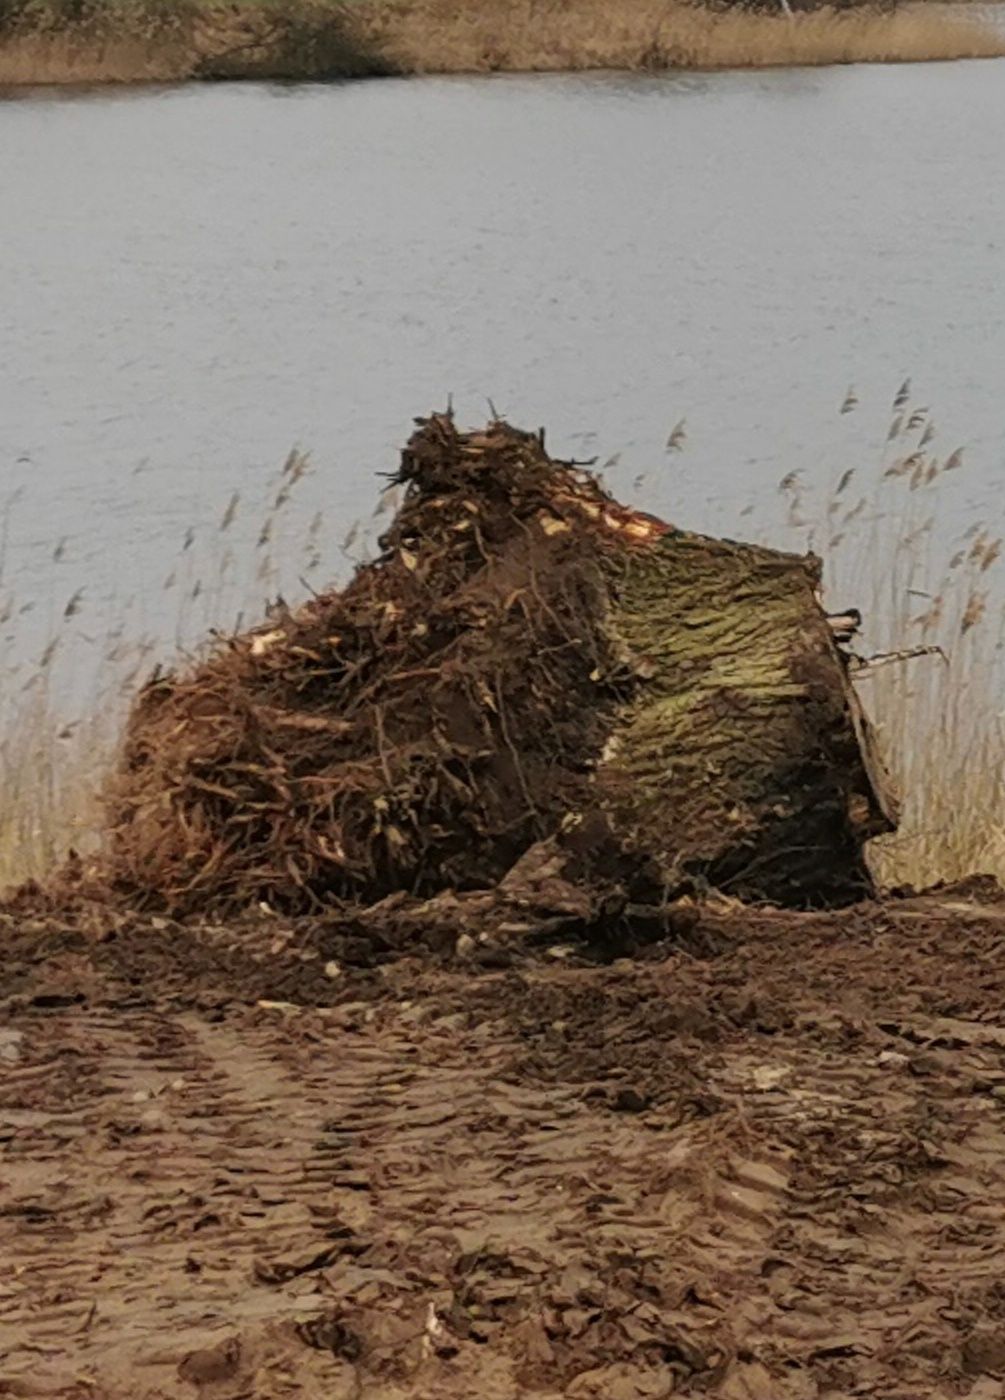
(767, 1160)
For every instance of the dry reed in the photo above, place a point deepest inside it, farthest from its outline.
(647, 35)
(54, 760)
(940, 721)
(74, 58)
(318, 38)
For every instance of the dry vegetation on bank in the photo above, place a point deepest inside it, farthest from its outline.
(940, 721)
(78, 41)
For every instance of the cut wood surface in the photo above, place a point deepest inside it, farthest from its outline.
(745, 755)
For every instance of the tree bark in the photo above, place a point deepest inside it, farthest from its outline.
(745, 759)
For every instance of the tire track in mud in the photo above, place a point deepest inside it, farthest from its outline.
(882, 1275)
(221, 1194)
(148, 1196)
(772, 1174)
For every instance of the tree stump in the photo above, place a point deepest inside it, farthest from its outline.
(534, 689)
(745, 756)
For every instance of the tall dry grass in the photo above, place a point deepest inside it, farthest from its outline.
(74, 58)
(66, 41)
(650, 35)
(61, 710)
(940, 718)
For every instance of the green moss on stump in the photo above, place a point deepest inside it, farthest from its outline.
(739, 757)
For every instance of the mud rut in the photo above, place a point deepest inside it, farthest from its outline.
(768, 1163)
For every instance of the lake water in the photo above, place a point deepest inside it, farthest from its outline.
(194, 280)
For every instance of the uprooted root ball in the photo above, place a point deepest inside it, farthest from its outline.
(420, 729)
(526, 662)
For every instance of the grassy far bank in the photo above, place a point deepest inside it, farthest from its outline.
(939, 719)
(67, 41)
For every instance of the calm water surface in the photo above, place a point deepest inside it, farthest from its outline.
(194, 280)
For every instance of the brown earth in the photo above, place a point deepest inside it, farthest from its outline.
(766, 1160)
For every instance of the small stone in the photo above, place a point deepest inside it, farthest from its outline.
(630, 1101)
(212, 1365)
(767, 1077)
(983, 1351)
(465, 945)
(892, 1059)
(333, 971)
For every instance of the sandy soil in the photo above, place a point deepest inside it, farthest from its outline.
(767, 1162)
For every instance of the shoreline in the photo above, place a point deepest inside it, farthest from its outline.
(312, 41)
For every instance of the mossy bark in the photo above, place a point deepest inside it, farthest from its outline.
(744, 758)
